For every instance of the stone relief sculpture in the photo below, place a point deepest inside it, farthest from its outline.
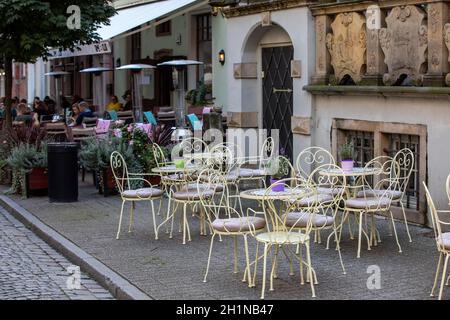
(347, 46)
(404, 44)
(447, 43)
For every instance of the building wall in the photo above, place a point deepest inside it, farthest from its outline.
(242, 40)
(221, 75)
(432, 113)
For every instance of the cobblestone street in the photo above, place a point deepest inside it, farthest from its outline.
(30, 269)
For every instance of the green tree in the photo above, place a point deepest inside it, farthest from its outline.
(30, 28)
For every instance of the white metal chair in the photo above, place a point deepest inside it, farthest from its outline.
(372, 197)
(310, 158)
(224, 220)
(124, 181)
(442, 241)
(282, 233)
(447, 187)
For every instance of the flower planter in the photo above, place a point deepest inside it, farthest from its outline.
(37, 180)
(347, 165)
(154, 180)
(5, 175)
(107, 182)
(276, 187)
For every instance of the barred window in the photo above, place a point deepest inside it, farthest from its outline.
(363, 142)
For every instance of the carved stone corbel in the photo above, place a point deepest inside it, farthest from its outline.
(347, 46)
(404, 44)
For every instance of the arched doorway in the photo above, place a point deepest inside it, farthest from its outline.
(271, 47)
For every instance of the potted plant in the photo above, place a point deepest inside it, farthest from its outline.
(278, 168)
(29, 166)
(346, 153)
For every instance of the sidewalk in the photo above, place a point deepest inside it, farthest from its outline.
(30, 269)
(165, 269)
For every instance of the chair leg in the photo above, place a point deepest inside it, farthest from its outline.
(184, 220)
(120, 220)
(247, 260)
(130, 227)
(153, 216)
(311, 277)
(256, 265)
(209, 257)
(274, 268)
(359, 235)
(300, 254)
(263, 289)
(406, 221)
(395, 232)
(437, 274)
(235, 254)
(444, 276)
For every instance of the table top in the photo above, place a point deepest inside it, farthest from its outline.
(356, 172)
(261, 194)
(173, 169)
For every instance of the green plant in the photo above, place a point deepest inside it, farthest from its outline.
(199, 96)
(26, 157)
(346, 151)
(278, 167)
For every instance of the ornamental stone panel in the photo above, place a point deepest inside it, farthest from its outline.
(404, 44)
(347, 46)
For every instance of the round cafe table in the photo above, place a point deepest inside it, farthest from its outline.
(355, 173)
(172, 169)
(262, 194)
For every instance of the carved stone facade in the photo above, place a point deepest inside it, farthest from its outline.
(404, 43)
(410, 45)
(347, 46)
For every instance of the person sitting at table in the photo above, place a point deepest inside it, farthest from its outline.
(23, 114)
(74, 114)
(85, 112)
(128, 101)
(114, 104)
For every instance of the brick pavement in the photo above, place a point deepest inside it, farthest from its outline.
(165, 269)
(30, 269)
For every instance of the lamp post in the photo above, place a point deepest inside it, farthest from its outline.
(58, 75)
(136, 70)
(181, 67)
(98, 98)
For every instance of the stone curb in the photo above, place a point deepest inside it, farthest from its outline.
(119, 287)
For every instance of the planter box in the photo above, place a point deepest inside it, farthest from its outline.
(107, 183)
(37, 180)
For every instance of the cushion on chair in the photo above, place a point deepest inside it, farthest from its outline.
(332, 191)
(193, 187)
(238, 224)
(192, 195)
(143, 193)
(379, 193)
(312, 200)
(444, 240)
(368, 203)
(249, 173)
(301, 219)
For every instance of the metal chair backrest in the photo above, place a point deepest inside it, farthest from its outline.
(312, 157)
(405, 161)
(435, 220)
(159, 155)
(120, 171)
(328, 177)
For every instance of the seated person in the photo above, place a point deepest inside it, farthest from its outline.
(128, 103)
(23, 114)
(74, 114)
(85, 112)
(114, 104)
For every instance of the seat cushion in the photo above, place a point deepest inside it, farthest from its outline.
(368, 203)
(379, 193)
(301, 219)
(250, 173)
(194, 187)
(444, 240)
(313, 200)
(192, 195)
(332, 191)
(144, 193)
(238, 224)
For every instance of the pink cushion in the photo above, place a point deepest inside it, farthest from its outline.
(379, 193)
(301, 219)
(332, 191)
(368, 203)
(192, 195)
(444, 240)
(320, 198)
(249, 173)
(144, 193)
(238, 224)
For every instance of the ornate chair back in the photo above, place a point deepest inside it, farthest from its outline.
(435, 220)
(159, 156)
(311, 158)
(405, 161)
(120, 171)
(267, 151)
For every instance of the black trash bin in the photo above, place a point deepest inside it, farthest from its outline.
(63, 172)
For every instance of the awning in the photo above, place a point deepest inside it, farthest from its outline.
(130, 18)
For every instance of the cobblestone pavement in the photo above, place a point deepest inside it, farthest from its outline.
(30, 269)
(166, 269)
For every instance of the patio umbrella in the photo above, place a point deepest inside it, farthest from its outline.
(136, 70)
(181, 67)
(57, 75)
(98, 98)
